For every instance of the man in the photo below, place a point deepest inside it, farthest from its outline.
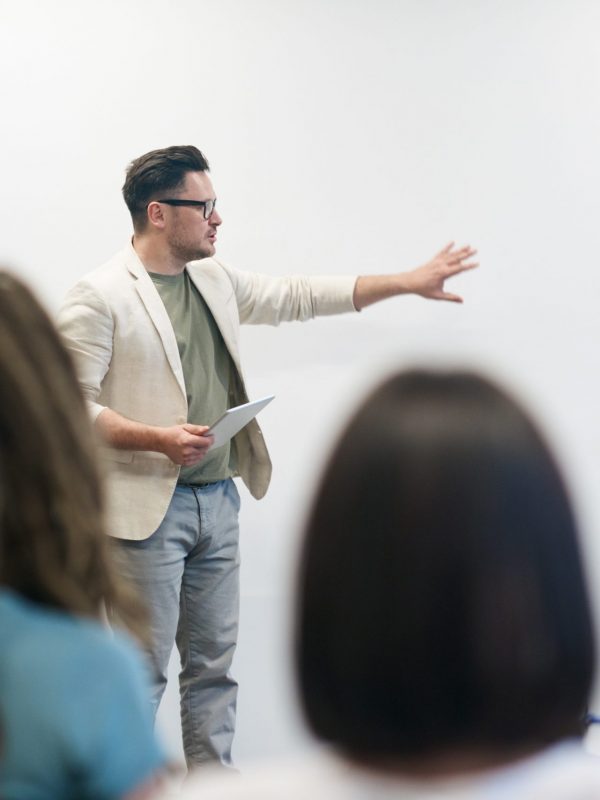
(154, 334)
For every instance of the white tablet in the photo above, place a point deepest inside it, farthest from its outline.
(234, 419)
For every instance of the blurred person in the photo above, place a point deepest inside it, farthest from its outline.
(74, 718)
(155, 337)
(444, 642)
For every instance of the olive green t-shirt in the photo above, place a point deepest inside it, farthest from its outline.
(206, 367)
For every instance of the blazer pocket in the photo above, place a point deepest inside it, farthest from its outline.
(112, 454)
(150, 455)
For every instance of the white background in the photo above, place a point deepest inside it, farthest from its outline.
(345, 136)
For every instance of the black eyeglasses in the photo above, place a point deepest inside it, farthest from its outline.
(207, 205)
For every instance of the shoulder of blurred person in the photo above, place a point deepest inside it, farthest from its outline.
(561, 772)
(74, 713)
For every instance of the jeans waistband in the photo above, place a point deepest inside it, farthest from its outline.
(200, 484)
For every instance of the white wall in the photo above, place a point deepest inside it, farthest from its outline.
(345, 136)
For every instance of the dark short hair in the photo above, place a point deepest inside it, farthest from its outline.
(157, 172)
(442, 601)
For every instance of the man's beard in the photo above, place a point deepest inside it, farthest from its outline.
(183, 251)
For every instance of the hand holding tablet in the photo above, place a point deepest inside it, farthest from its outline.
(234, 419)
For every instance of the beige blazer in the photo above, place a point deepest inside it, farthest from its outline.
(123, 344)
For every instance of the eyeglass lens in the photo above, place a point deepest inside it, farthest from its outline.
(209, 207)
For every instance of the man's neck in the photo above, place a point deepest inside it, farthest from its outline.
(155, 257)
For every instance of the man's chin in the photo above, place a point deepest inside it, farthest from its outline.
(205, 252)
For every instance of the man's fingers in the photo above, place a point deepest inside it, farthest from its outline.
(460, 255)
(196, 430)
(453, 298)
(191, 460)
(194, 456)
(201, 444)
(454, 269)
(446, 249)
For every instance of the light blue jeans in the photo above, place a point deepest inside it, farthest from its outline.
(188, 573)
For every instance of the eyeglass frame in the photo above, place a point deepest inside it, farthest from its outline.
(180, 201)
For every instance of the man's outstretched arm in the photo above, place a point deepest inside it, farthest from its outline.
(427, 281)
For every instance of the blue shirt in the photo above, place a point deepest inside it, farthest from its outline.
(75, 719)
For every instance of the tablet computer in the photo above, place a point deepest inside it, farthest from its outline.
(234, 419)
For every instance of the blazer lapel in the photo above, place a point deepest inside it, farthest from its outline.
(158, 314)
(210, 285)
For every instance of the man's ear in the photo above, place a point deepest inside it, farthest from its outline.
(155, 215)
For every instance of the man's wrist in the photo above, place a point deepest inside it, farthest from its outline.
(158, 436)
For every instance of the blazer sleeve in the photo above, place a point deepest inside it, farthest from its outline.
(269, 300)
(86, 325)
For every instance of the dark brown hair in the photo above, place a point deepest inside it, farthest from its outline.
(158, 172)
(53, 548)
(442, 602)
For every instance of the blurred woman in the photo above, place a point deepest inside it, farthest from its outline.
(74, 716)
(444, 641)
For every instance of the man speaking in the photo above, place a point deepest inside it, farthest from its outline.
(154, 333)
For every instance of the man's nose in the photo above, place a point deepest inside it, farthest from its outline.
(215, 218)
